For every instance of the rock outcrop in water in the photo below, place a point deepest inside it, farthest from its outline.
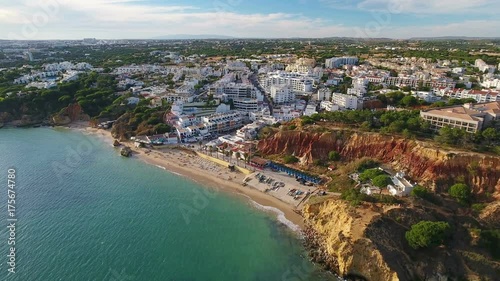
(424, 163)
(369, 242)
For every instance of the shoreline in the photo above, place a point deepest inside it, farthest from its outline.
(195, 168)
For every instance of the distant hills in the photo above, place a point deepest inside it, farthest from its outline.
(222, 37)
(453, 38)
(192, 36)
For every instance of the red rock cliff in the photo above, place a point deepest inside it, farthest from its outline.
(422, 162)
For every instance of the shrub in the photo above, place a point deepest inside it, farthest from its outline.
(479, 207)
(290, 159)
(420, 191)
(370, 174)
(461, 192)
(318, 162)
(334, 155)
(427, 234)
(382, 181)
(354, 196)
(366, 164)
(490, 239)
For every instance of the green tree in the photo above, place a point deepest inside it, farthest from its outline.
(409, 101)
(461, 192)
(334, 155)
(354, 196)
(420, 191)
(370, 174)
(427, 234)
(490, 135)
(290, 159)
(382, 181)
(451, 136)
(162, 128)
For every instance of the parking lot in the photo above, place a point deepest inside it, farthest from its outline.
(280, 185)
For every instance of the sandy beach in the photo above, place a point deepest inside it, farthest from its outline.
(204, 172)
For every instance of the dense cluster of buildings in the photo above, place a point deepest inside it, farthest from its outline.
(211, 97)
(53, 73)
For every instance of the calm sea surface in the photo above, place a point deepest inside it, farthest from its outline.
(85, 213)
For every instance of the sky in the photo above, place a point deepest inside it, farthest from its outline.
(146, 19)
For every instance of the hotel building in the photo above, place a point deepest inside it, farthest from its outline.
(469, 117)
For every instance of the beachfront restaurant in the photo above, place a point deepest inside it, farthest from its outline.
(259, 163)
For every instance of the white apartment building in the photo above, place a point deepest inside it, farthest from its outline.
(329, 106)
(138, 69)
(286, 113)
(481, 96)
(340, 61)
(282, 94)
(483, 66)
(236, 91)
(347, 101)
(65, 65)
(246, 104)
(375, 79)
(426, 96)
(491, 83)
(262, 114)
(310, 110)
(224, 122)
(192, 128)
(186, 89)
(324, 94)
(235, 66)
(298, 82)
(32, 77)
(173, 97)
(402, 81)
(359, 92)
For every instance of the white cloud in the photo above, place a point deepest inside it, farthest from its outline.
(71, 19)
(472, 28)
(419, 6)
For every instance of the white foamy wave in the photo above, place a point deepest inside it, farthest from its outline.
(161, 167)
(175, 173)
(280, 216)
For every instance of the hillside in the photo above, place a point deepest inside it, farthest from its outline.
(422, 162)
(369, 242)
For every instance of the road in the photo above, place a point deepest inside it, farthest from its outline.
(255, 82)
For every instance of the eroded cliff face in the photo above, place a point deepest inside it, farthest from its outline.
(337, 234)
(71, 113)
(423, 163)
(369, 242)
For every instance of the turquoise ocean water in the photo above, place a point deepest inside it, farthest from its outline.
(85, 213)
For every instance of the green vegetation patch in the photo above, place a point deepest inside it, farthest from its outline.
(427, 234)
